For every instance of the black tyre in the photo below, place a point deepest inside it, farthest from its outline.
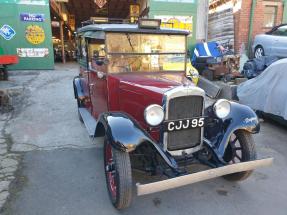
(118, 176)
(241, 148)
(259, 52)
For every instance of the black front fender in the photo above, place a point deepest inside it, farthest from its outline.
(125, 134)
(241, 117)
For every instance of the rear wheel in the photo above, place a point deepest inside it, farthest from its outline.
(118, 176)
(259, 52)
(241, 148)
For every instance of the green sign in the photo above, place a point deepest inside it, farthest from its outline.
(26, 2)
(32, 42)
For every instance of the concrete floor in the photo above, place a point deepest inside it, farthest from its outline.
(62, 169)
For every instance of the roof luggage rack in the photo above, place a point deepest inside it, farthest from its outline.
(104, 20)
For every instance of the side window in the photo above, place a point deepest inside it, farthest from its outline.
(78, 43)
(96, 49)
(281, 31)
(81, 48)
(83, 51)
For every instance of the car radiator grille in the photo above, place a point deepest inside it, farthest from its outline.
(182, 108)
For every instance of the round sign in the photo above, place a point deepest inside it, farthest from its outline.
(35, 34)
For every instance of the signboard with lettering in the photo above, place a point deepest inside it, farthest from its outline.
(32, 17)
(179, 22)
(32, 52)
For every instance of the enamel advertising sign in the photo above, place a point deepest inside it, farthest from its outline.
(35, 34)
(32, 52)
(7, 32)
(31, 17)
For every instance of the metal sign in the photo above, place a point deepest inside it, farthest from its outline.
(33, 52)
(134, 10)
(35, 34)
(179, 22)
(100, 3)
(31, 17)
(7, 32)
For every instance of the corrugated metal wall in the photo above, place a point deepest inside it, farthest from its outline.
(221, 26)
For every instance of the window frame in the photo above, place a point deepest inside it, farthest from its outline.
(275, 6)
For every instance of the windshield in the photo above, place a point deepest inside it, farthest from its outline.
(145, 52)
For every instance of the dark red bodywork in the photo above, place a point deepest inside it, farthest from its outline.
(130, 93)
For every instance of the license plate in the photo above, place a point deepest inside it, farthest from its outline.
(183, 124)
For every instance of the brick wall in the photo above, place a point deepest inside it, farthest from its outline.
(242, 20)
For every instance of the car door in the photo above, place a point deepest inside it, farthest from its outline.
(280, 41)
(97, 77)
(84, 72)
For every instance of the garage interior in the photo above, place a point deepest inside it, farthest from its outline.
(67, 16)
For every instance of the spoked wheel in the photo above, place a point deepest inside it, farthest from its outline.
(259, 52)
(118, 176)
(241, 148)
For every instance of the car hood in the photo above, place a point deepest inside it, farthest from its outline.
(133, 92)
(156, 82)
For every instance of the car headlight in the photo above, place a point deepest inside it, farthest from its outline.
(222, 108)
(154, 115)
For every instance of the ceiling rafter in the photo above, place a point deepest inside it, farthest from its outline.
(85, 9)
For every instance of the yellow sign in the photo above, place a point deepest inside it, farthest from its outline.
(179, 22)
(134, 10)
(35, 34)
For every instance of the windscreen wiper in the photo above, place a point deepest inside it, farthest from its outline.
(129, 39)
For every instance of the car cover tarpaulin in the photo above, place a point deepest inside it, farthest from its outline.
(268, 91)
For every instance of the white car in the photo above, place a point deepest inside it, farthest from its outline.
(272, 43)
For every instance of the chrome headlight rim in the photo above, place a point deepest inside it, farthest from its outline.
(222, 108)
(150, 108)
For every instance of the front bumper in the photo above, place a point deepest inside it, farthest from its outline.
(144, 189)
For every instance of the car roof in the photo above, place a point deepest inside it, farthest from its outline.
(276, 27)
(130, 28)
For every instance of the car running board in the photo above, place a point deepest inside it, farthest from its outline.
(89, 121)
(144, 189)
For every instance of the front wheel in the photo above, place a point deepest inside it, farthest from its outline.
(241, 148)
(259, 52)
(118, 176)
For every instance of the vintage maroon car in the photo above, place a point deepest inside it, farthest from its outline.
(133, 90)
